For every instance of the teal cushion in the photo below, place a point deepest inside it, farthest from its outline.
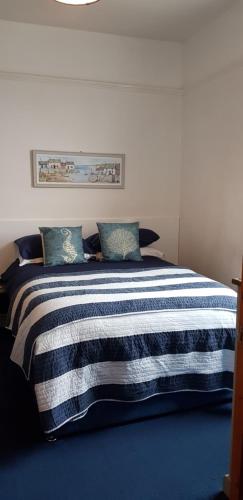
(119, 241)
(62, 245)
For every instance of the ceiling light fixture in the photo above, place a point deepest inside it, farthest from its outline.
(78, 2)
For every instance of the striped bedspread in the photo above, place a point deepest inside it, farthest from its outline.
(121, 335)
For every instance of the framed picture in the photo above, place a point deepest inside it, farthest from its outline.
(87, 170)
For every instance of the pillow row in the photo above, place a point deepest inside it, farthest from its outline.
(63, 245)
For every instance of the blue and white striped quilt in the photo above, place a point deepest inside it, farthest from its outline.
(121, 335)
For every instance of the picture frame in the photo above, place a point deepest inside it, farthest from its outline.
(78, 169)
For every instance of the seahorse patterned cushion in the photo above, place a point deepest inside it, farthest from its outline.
(119, 241)
(62, 245)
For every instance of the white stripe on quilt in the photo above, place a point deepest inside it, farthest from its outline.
(110, 286)
(76, 382)
(84, 277)
(134, 324)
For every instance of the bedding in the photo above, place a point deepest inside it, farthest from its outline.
(120, 334)
(16, 275)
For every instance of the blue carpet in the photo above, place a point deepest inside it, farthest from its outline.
(175, 457)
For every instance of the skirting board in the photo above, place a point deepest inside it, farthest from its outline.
(11, 229)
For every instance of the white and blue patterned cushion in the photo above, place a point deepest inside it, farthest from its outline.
(119, 241)
(62, 245)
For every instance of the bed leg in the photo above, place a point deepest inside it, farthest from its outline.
(226, 486)
(50, 438)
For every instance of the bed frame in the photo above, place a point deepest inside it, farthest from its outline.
(168, 228)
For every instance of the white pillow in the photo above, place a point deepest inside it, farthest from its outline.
(152, 252)
(39, 260)
(24, 262)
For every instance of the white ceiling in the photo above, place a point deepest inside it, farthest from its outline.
(172, 20)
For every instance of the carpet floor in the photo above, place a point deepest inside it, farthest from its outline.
(182, 456)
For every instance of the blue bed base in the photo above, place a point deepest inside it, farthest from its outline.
(109, 413)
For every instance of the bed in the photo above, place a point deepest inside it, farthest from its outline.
(107, 342)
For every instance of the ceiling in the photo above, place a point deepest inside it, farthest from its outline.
(172, 20)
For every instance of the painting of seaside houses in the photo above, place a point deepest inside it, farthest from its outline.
(53, 169)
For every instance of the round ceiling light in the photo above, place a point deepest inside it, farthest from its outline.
(78, 2)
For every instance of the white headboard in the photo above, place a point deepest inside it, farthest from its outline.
(11, 229)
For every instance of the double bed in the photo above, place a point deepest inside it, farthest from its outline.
(107, 342)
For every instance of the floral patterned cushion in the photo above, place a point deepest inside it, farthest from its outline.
(62, 245)
(119, 241)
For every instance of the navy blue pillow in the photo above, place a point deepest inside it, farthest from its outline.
(94, 242)
(30, 247)
(146, 238)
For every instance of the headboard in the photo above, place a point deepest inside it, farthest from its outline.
(11, 229)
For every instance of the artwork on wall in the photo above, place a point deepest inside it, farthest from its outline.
(88, 170)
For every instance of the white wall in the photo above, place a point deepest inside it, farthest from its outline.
(217, 47)
(211, 232)
(69, 90)
(63, 52)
